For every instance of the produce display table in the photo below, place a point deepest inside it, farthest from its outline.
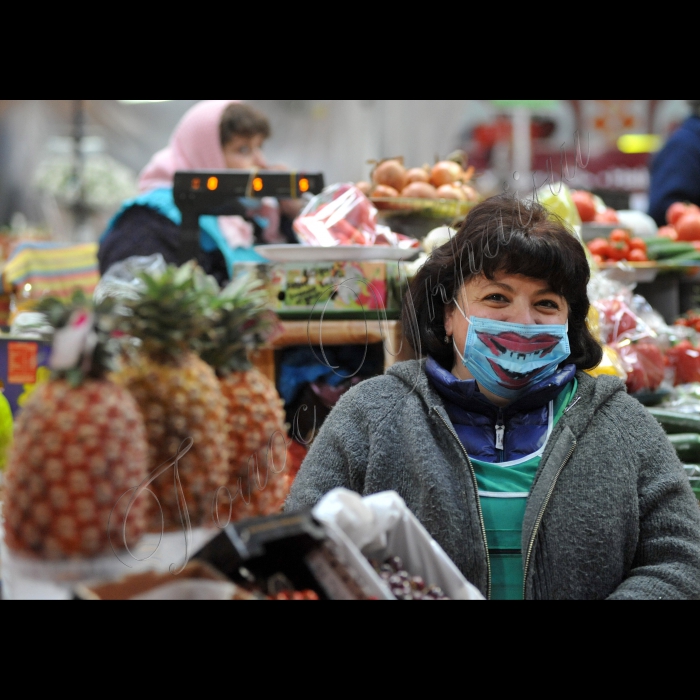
(335, 332)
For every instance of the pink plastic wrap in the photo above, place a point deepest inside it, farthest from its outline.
(635, 336)
(343, 215)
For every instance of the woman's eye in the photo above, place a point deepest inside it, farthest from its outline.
(244, 150)
(496, 297)
(549, 304)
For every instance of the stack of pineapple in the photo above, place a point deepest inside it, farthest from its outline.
(260, 466)
(178, 393)
(82, 440)
(79, 448)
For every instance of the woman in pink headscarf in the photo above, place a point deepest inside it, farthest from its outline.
(212, 135)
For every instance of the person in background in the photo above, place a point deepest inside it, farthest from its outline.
(212, 135)
(675, 169)
(538, 480)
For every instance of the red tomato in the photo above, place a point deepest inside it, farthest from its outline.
(646, 364)
(688, 227)
(616, 319)
(638, 244)
(668, 232)
(619, 250)
(619, 234)
(585, 204)
(675, 212)
(637, 255)
(599, 246)
(609, 216)
(685, 360)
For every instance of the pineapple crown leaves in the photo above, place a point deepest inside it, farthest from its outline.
(171, 315)
(96, 356)
(243, 321)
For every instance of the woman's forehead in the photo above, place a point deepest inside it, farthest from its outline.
(510, 281)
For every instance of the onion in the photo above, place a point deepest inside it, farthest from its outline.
(364, 187)
(390, 173)
(384, 191)
(445, 173)
(451, 192)
(419, 190)
(470, 193)
(417, 175)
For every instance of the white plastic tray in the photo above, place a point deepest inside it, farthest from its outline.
(306, 253)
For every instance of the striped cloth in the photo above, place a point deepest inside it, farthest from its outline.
(37, 269)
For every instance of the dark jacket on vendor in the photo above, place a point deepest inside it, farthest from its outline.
(609, 501)
(675, 170)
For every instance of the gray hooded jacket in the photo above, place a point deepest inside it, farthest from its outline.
(610, 514)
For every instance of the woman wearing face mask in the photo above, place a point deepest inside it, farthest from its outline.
(539, 481)
(212, 135)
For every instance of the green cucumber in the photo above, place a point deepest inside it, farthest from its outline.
(689, 257)
(687, 446)
(668, 249)
(673, 422)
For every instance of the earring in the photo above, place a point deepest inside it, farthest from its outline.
(447, 340)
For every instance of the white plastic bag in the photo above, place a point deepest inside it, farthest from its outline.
(122, 280)
(381, 526)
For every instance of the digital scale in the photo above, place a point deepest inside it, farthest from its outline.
(218, 193)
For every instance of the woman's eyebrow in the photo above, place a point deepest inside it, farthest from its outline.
(546, 290)
(502, 285)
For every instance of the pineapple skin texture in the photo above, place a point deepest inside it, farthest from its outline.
(179, 401)
(76, 451)
(257, 434)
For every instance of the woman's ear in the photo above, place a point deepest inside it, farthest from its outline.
(449, 314)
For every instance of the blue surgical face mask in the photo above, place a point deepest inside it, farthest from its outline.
(508, 358)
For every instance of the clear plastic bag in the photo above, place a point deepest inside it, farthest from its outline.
(343, 215)
(122, 280)
(634, 331)
(381, 526)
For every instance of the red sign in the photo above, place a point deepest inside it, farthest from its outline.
(21, 363)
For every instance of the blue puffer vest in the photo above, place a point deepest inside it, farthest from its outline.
(475, 418)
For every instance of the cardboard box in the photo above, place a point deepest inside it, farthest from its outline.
(23, 363)
(333, 288)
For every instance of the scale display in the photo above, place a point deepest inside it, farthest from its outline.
(218, 193)
(212, 188)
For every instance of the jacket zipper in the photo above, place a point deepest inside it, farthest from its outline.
(541, 514)
(478, 505)
(500, 431)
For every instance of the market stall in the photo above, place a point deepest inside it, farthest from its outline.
(165, 409)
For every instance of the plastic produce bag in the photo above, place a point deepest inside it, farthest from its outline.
(381, 526)
(557, 198)
(122, 280)
(343, 215)
(634, 331)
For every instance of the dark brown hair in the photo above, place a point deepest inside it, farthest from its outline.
(502, 234)
(242, 120)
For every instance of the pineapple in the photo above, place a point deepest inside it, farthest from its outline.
(79, 449)
(259, 468)
(179, 394)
